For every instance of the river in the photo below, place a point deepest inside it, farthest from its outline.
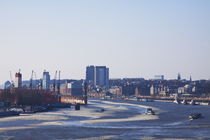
(103, 119)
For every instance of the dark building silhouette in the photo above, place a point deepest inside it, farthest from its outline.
(102, 76)
(98, 76)
(90, 75)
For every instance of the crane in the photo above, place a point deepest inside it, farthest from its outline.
(31, 80)
(35, 79)
(58, 86)
(54, 82)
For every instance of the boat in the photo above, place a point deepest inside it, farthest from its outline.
(184, 102)
(100, 110)
(77, 106)
(176, 101)
(192, 102)
(195, 116)
(149, 111)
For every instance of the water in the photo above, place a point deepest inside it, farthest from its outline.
(119, 120)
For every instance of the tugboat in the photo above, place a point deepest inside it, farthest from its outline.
(195, 116)
(149, 111)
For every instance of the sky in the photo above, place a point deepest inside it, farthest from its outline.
(134, 38)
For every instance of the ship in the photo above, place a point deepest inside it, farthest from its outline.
(195, 116)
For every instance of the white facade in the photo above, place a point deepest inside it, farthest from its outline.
(18, 80)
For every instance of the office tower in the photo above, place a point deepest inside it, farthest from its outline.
(90, 75)
(98, 76)
(102, 76)
(46, 80)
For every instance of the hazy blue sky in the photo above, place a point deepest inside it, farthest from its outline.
(134, 38)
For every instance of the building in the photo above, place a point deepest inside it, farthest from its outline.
(115, 90)
(156, 90)
(46, 80)
(153, 91)
(91, 75)
(75, 88)
(102, 76)
(18, 80)
(98, 76)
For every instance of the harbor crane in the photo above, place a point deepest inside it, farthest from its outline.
(54, 81)
(31, 80)
(58, 86)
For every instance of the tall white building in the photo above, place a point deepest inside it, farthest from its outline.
(18, 80)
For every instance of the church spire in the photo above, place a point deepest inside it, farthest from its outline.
(179, 76)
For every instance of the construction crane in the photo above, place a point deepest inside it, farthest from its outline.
(58, 86)
(85, 90)
(54, 81)
(31, 80)
(37, 83)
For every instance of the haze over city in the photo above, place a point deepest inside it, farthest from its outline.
(133, 38)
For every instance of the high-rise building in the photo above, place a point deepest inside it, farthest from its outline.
(90, 75)
(102, 76)
(46, 80)
(98, 76)
(18, 80)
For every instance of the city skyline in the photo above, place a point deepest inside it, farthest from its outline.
(51, 76)
(132, 38)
